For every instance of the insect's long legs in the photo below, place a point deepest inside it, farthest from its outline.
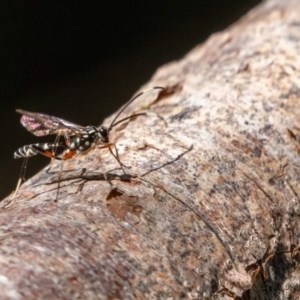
(56, 143)
(54, 149)
(22, 176)
(116, 156)
(59, 180)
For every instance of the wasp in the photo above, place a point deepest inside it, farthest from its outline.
(77, 139)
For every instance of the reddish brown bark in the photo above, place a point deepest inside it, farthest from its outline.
(210, 207)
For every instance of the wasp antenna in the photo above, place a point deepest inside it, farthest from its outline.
(128, 118)
(140, 114)
(112, 124)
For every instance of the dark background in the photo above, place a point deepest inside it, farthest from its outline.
(80, 60)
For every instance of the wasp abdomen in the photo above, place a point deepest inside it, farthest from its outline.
(34, 149)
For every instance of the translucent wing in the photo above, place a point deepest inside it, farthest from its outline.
(42, 124)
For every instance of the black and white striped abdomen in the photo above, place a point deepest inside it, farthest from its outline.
(34, 149)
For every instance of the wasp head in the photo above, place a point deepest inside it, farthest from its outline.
(103, 134)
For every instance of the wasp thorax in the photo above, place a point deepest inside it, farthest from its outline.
(87, 139)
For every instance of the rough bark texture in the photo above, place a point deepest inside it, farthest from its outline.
(220, 221)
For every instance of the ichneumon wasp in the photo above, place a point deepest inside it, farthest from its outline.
(77, 139)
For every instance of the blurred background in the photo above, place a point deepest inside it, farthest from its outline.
(80, 60)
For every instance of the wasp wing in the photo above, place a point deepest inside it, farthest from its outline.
(41, 124)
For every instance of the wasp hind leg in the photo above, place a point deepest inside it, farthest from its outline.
(22, 176)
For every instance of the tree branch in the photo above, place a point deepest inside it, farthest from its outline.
(220, 219)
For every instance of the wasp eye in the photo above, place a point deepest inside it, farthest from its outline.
(103, 131)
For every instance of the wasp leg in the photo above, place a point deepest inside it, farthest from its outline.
(59, 180)
(67, 155)
(56, 143)
(22, 176)
(116, 156)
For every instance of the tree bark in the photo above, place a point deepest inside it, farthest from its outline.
(210, 205)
